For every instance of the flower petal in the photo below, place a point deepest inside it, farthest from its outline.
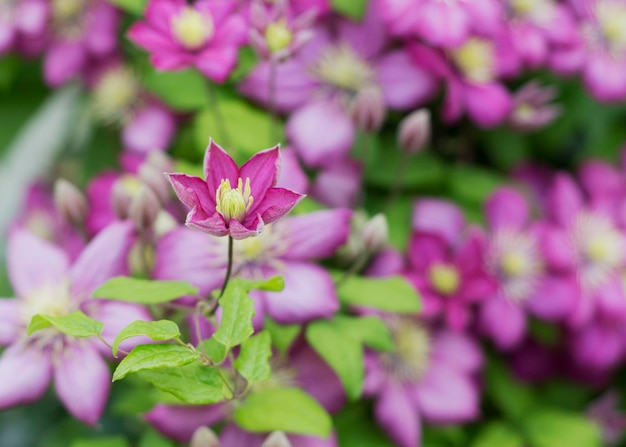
(180, 421)
(309, 294)
(556, 298)
(488, 104)
(426, 249)
(63, 61)
(150, 128)
(10, 320)
(218, 166)
(82, 380)
(503, 321)
(104, 258)
(404, 84)
(192, 191)
(277, 203)
(213, 225)
(440, 217)
(24, 375)
(506, 208)
(458, 350)
(564, 200)
(398, 416)
(262, 170)
(314, 235)
(33, 262)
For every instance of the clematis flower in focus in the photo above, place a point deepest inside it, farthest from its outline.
(205, 35)
(235, 201)
(47, 284)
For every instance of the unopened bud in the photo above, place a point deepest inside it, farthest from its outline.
(121, 198)
(144, 208)
(70, 202)
(155, 179)
(277, 439)
(368, 110)
(375, 233)
(414, 131)
(160, 161)
(204, 437)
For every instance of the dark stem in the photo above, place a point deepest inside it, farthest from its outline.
(229, 268)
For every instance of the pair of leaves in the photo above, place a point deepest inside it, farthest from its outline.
(340, 342)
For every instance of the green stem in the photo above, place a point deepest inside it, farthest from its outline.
(219, 118)
(396, 186)
(229, 268)
(356, 266)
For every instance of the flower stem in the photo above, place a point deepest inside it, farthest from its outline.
(229, 268)
(396, 186)
(219, 118)
(356, 266)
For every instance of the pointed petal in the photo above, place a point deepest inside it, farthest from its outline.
(503, 321)
(233, 435)
(82, 381)
(217, 62)
(253, 228)
(149, 38)
(443, 24)
(314, 235)
(180, 421)
(458, 350)
(446, 395)
(63, 61)
(426, 249)
(33, 262)
(192, 191)
(24, 375)
(398, 416)
(10, 320)
(404, 84)
(488, 104)
(218, 166)
(277, 203)
(320, 148)
(104, 258)
(262, 170)
(506, 208)
(213, 225)
(150, 128)
(309, 294)
(597, 347)
(555, 298)
(564, 200)
(440, 217)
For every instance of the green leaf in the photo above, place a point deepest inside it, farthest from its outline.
(152, 439)
(472, 184)
(273, 284)
(135, 7)
(552, 428)
(112, 441)
(498, 434)
(216, 351)
(152, 357)
(143, 291)
(194, 384)
(370, 331)
(353, 9)
(156, 330)
(282, 335)
(237, 312)
(248, 127)
(510, 396)
(286, 409)
(393, 294)
(75, 324)
(253, 360)
(182, 90)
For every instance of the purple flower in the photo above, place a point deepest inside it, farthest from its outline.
(606, 413)
(531, 107)
(448, 273)
(205, 35)
(46, 283)
(235, 201)
(20, 21)
(427, 377)
(285, 248)
(319, 84)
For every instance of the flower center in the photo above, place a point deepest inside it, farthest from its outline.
(611, 18)
(475, 59)
(67, 10)
(515, 264)
(115, 93)
(411, 355)
(341, 67)
(444, 278)
(278, 36)
(50, 299)
(233, 203)
(192, 29)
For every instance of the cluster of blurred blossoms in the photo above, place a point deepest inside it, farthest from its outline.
(409, 324)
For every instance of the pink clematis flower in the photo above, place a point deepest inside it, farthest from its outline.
(205, 35)
(448, 272)
(429, 376)
(285, 248)
(22, 21)
(46, 283)
(235, 201)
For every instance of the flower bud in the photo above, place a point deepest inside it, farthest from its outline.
(70, 202)
(368, 110)
(160, 161)
(414, 131)
(144, 208)
(375, 233)
(276, 439)
(121, 198)
(204, 437)
(155, 179)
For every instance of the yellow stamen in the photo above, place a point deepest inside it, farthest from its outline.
(475, 59)
(444, 278)
(192, 29)
(233, 203)
(278, 36)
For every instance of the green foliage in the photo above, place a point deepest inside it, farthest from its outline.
(512, 398)
(554, 428)
(237, 312)
(340, 343)
(354, 427)
(75, 324)
(273, 284)
(134, 7)
(282, 335)
(183, 90)
(353, 9)
(112, 441)
(498, 434)
(194, 383)
(253, 360)
(143, 291)
(393, 294)
(156, 330)
(287, 409)
(152, 439)
(472, 185)
(152, 357)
